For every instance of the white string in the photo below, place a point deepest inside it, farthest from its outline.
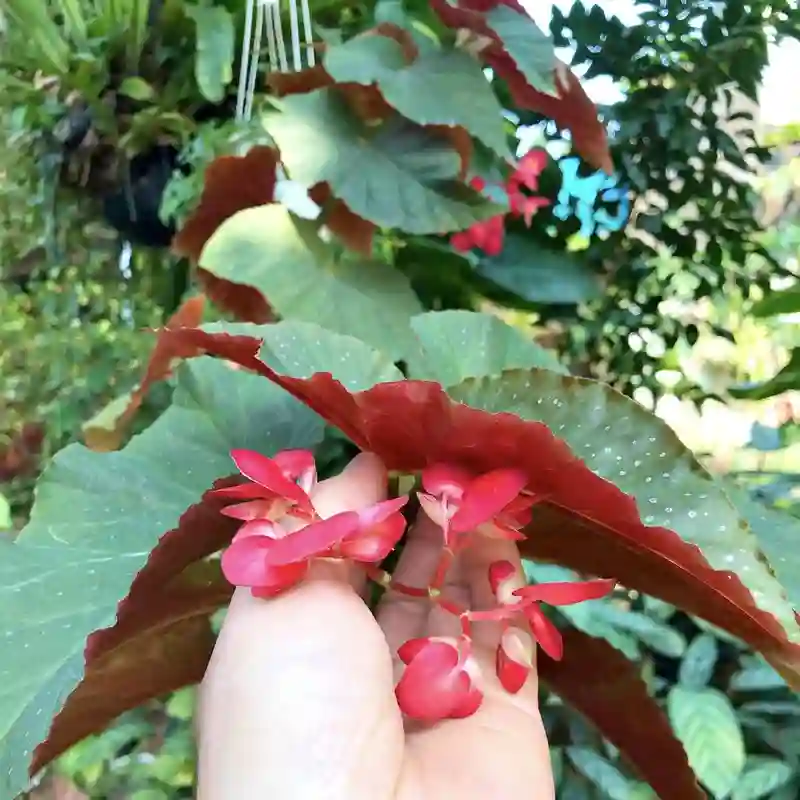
(308, 34)
(244, 70)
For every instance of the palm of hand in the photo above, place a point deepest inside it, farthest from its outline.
(298, 701)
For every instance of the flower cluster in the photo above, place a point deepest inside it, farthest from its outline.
(282, 533)
(489, 234)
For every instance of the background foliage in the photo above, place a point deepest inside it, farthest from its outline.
(697, 303)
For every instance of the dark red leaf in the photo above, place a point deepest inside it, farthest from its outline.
(603, 685)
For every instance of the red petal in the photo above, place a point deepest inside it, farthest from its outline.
(486, 497)
(267, 473)
(294, 463)
(545, 632)
(251, 509)
(243, 491)
(280, 579)
(244, 563)
(409, 650)
(504, 579)
(258, 527)
(446, 479)
(315, 539)
(373, 544)
(566, 593)
(514, 660)
(469, 697)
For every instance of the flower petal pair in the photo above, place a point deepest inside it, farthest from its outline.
(439, 681)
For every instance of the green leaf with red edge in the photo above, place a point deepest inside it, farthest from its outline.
(576, 440)
(519, 64)
(598, 681)
(396, 174)
(96, 519)
(437, 86)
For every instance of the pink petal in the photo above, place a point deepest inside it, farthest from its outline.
(434, 509)
(433, 686)
(280, 579)
(373, 544)
(514, 659)
(250, 509)
(258, 527)
(486, 497)
(267, 473)
(380, 511)
(545, 632)
(242, 491)
(294, 463)
(469, 697)
(567, 593)
(446, 479)
(244, 563)
(314, 539)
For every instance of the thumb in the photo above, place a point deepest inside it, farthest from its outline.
(298, 699)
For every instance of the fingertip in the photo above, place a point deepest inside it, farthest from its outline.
(361, 483)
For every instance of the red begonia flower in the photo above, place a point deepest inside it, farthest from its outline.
(491, 504)
(524, 601)
(487, 235)
(440, 680)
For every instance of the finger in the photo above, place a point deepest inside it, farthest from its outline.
(402, 617)
(298, 696)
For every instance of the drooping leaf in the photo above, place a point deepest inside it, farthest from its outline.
(757, 676)
(540, 275)
(213, 66)
(303, 278)
(397, 175)
(705, 722)
(106, 430)
(96, 519)
(697, 666)
(788, 379)
(455, 345)
(598, 681)
(435, 87)
(530, 48)
(761, 777)
(684, 550)
(657, 635)
(786, 301)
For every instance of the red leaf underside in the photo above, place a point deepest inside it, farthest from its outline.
(583, 521)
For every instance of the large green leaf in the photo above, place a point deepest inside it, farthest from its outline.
(397, 175)
(442, 87)
(303, 278)
(455, 345)
(540, 275)
(625, 444)
(705, 722)
(96, 519)
(213, 66)
(530, 48)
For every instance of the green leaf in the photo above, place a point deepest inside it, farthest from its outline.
(397, 175)
(302, 278)
(624, 443)
(213, 66)
(530, 48)
(786, 301)
(706, 724)
(761, 777)
(698, 662)
(455, 345)
(6, 522)
(442, 87)
(96, 518)
(600, 772)
(757, 676)
(656, 635)
(788, 379)
(540, 275)
(137, 88)
(778, 534)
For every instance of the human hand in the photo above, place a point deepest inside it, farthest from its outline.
(298, 701)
